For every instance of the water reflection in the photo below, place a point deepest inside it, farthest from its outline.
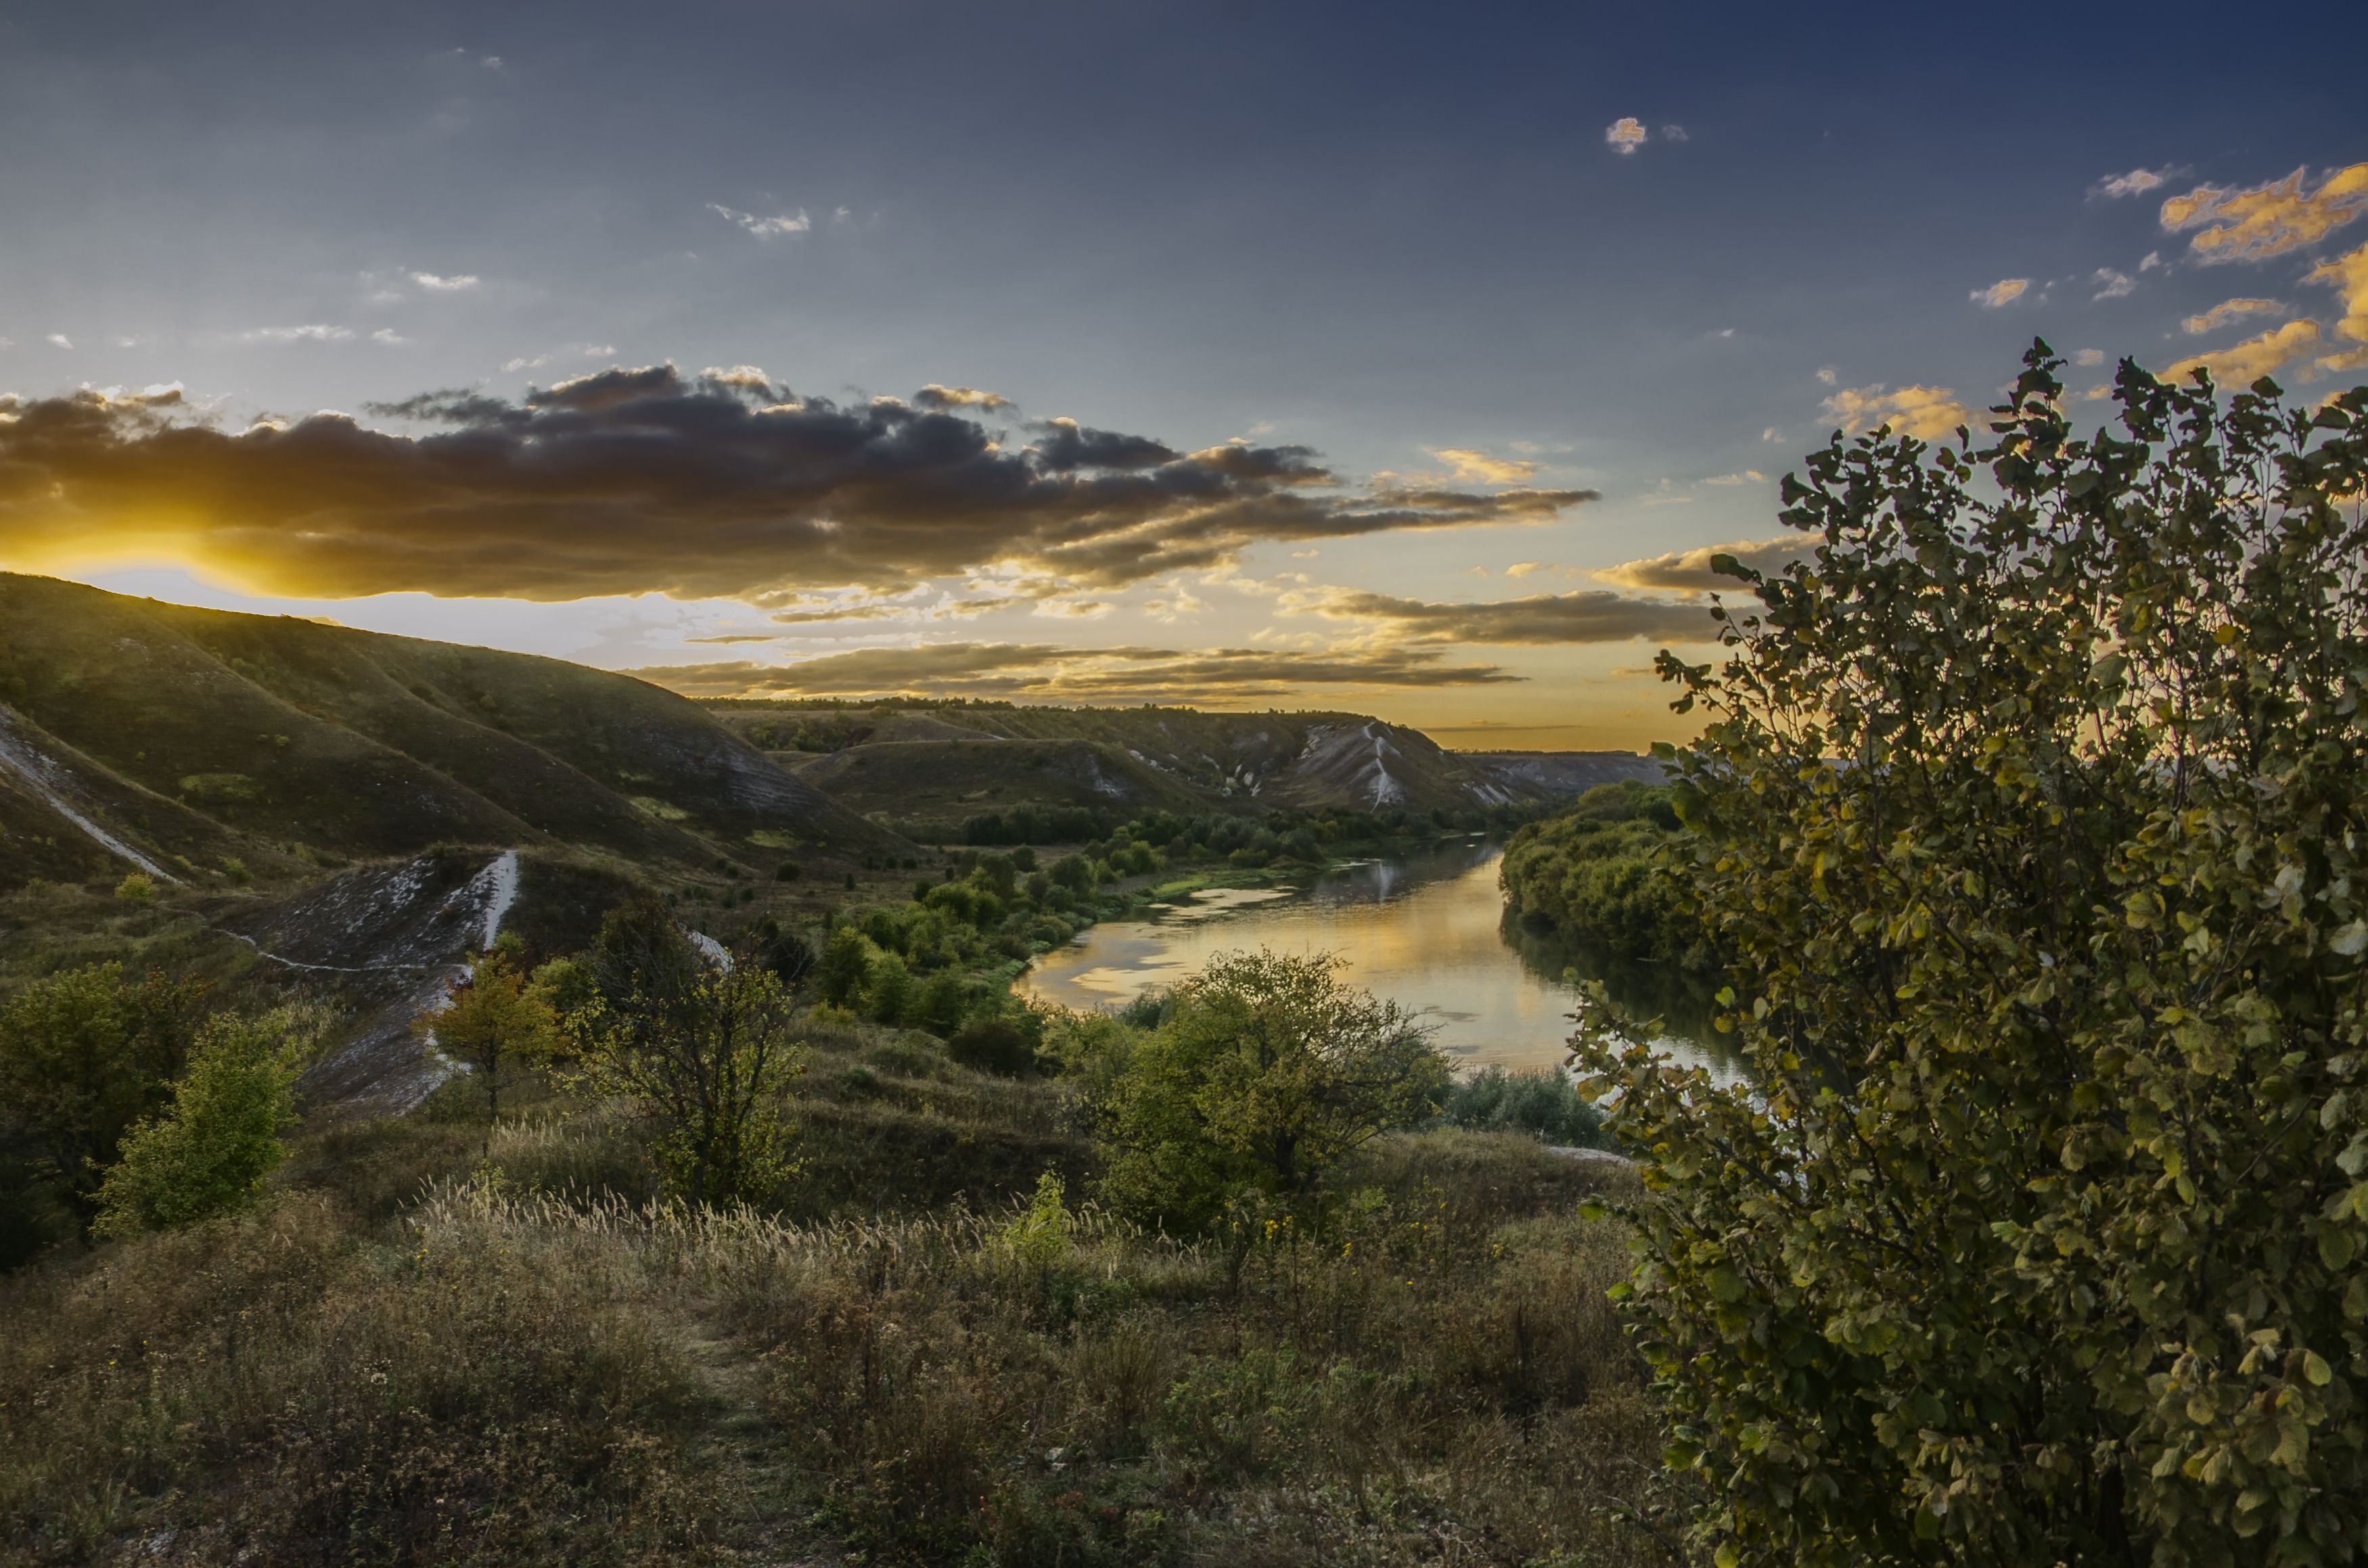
(1428, 930)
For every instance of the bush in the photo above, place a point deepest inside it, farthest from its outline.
(2031, 809)
(1000, 1045)
(137, 888)
(1545, 1104)
(1267, 1071)
(210, 1154)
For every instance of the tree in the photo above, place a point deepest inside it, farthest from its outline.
(85, 1054)
(494, 1017)
(210, 1152)
(1267, 1071)
(2029, 816)
(706, 1048)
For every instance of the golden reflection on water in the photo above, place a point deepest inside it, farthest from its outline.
(1423, 931)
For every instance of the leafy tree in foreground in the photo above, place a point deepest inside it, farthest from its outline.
(85, 1054)
(209, 1152)
(1267, 1071)
(2030, 810)
(706, 1048)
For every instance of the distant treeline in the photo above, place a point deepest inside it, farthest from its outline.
(1218, 831)
(1596, 874)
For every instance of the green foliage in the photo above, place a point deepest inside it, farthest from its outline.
(1038, 1235)
(845, 965)
(209, 1152)
(1546, 1105)
(2030, 810)
(83, 1055)
(1596, 873)
(137, 888)
(705, 1049)
(1266, 1071)
(1001, 1043)
(496, 1018)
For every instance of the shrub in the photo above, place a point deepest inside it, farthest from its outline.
(137, 888)
(1267, 1071)
(1546, 1105)
(2031, 809)
(210, 1152)
(994, 1045)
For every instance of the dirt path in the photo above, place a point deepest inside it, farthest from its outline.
(743, 1452)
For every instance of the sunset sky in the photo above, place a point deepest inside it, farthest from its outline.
(1398, 359)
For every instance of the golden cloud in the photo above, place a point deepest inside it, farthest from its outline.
(2228, 310)
(649, 481)
(1542, 619)
(2348, 273)
(2005, 291)
(1479, 467)
(936, 396)
(1050, 672)
(1689, 570)
(1929, 414)
(2263, 221)
(1624, 135)
(2248, 361)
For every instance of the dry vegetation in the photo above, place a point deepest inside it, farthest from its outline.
(403, 1355)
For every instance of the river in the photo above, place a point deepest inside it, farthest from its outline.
(1426, 930)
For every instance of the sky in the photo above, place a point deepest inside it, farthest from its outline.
(1402, 360)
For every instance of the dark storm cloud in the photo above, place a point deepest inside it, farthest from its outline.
(631, 481)
(1053, 671)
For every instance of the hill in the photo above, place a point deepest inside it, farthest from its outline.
(931, 767)
(202, 745)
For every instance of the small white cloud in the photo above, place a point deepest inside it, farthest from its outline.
(599, 350)
(1305, 554)
(2005, 291)
(7, 342)
(491, 62)
(1724, 331)
(122, 340)
(1749, 476)
(2115, 284)
(454, 284)
(1675, 134)
(797, 224)
(1770, 434)
(1826, 374)
(2153, 259)
(840, 215)
(61, 340)
(1522, 568)
(1624, 135)
(523, 363)
(387, 334)
(2137, 182)
(2090, 357)
(313, 332)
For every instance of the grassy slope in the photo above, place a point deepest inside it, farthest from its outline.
(274, 732)
(379, 1365)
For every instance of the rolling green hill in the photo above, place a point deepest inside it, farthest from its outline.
(202, 744)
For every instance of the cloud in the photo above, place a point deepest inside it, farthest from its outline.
(60, 339)
(1688, 571)
(1053, 672)
(636, 481)
(738, 637)
(2248, 361)
(764, 228)
(2153, 259)
(2090, 357)
(455, 284)
(1624, 135)
(1749, 476)
(2115, 284)
(1479, 467)
(1591, 615)
(388, 335)
(2263, 221)
(2005, 291)
(1826, 374)
(314, 333)
(2137, 182)
(1929, 414)
(2227, 310)
(1675, 134)
(1522, 568)
(936, 396)
(2348, 273)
